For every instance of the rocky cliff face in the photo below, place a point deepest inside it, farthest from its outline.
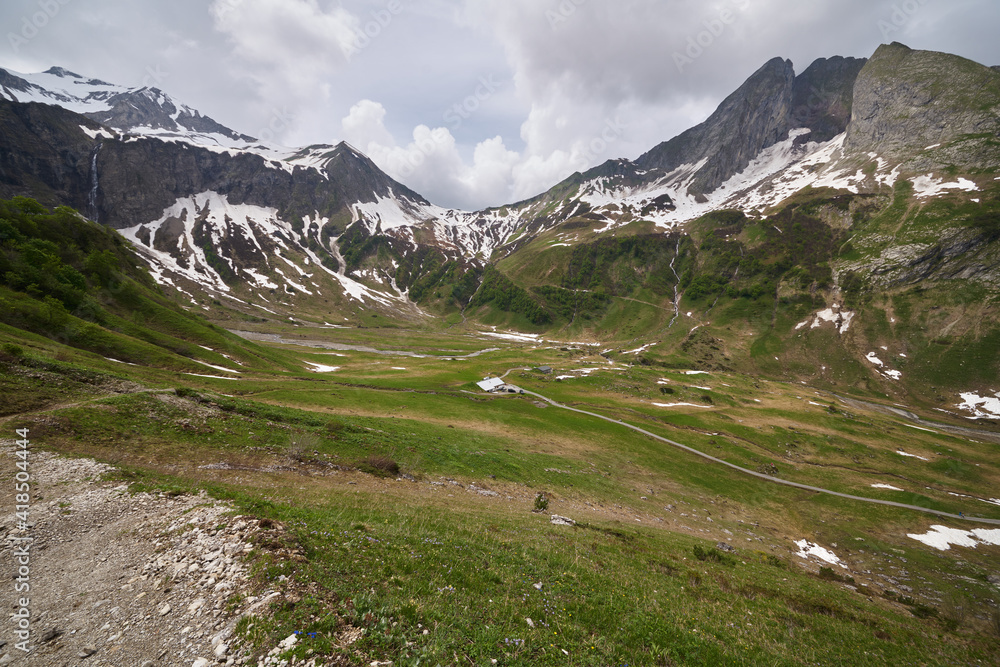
(823, 96)
(906, 101)
(758, 115)
(44, 154)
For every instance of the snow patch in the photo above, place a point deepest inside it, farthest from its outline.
(912, 456)
(218, 368)
(886, 486)
(981, 407)
(320, 368)
(841, 319)
(928, 186)
(807, 549)
(676, 405)
(518, 337)
(942, 537)
(99, 132)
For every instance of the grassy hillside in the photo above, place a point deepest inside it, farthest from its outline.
(916, 278)
(72, 283)
(409, 503)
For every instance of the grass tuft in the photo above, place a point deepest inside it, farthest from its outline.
(379, 466)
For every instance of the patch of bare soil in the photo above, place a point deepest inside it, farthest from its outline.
(122, 579)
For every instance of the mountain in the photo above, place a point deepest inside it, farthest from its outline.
(216, 206)
(762, 112)
(144, 109)
(788, 225)
(851, 240)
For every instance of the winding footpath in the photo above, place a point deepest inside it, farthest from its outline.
(769, 478)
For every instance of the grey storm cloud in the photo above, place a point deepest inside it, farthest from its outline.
(470, 102)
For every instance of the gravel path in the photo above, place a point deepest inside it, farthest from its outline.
(120, 579)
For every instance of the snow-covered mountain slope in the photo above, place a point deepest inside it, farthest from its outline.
(212, 209)
(141, 110)
(775, 174)
(241, 250)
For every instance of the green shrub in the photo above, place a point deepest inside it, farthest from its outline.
(379, 466)
(712, 554)
(12, 351)
(541, 502)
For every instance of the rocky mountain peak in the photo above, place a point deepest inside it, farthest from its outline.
(823, 96)
(906, 101)
(125, 109)
(754, 117)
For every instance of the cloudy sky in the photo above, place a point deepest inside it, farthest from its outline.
(470, 102)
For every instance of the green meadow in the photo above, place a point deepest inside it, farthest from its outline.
(408, 495)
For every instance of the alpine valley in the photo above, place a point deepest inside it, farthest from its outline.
(825, 239)
(837, 226)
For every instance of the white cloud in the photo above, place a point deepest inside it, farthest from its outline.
(364, 125)
(430, 162)
(287, 47)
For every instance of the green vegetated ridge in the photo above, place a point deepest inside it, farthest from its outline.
(748, 282)
(77, 283)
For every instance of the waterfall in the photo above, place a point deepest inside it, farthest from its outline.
(92, 198)
(677, 285)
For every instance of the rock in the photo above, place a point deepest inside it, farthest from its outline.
(164, 610)
(49, 635)
(221, 650)
(87, 651)
(757, 115)
(994, 579)
(530, 622)
(6, 659)
(201, 662)
(722, 546)
(149, 663)
(906, 100)
(288, 642)
(538, 585)
(562, 520)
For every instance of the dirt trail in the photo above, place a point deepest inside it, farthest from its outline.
(122, 579)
